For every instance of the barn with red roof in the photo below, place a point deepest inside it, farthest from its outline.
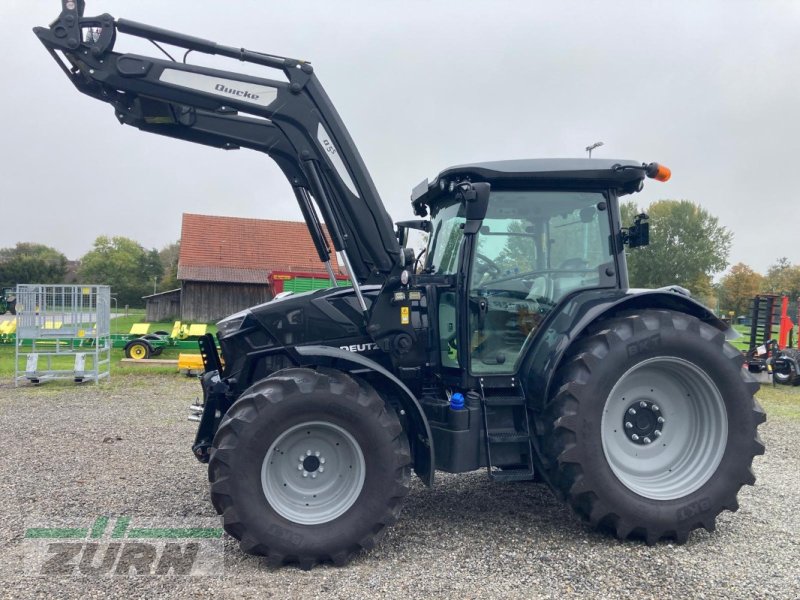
(227, 264)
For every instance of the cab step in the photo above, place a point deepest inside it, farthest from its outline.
(508, 437)
(512, 475)
(504, 400)
(506, 425)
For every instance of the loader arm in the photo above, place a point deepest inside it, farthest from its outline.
(290, 118)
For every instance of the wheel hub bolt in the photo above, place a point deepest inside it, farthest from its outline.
(642, 422)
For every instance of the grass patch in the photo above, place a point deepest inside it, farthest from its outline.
(7, 357)
(743, 343)
(780, 401)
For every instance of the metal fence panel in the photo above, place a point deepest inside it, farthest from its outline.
(66, 327)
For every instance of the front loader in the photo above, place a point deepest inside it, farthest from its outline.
(514, 345)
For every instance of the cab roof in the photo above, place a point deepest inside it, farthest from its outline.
(564, 173)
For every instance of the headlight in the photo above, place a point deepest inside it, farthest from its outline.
(230, 325)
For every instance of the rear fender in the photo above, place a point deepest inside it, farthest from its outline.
(571, 318)
(419, 431)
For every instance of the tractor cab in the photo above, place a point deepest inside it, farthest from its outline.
(550, 228)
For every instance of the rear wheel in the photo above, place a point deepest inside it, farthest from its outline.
(652, 431)
(309, 466)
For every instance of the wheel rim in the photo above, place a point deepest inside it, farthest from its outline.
(138, 351)
(673, 441)
(313, 473)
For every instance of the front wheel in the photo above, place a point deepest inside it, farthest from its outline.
(652, 431)
(309, 466)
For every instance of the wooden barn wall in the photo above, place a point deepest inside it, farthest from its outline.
(164, 308)
(206, 301)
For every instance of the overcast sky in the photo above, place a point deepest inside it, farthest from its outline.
(711, 89)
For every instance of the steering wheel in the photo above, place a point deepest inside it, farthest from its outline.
(489, 263)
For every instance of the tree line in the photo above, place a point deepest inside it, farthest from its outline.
(689, 247)
(131, 270)
(741, 283)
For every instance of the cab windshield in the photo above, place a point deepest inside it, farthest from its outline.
(533, 248)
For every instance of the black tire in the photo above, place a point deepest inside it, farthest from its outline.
(157, 350)
(272, 409)
(138, 349)
(793, 376)
(161, 333)
(580, 426)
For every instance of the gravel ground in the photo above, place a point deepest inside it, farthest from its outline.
(465, 538)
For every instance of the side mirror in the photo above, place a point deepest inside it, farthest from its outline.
(475, 197)
(638, 234)
(477, 200)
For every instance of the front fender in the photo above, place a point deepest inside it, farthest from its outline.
(420, 436)
(576, 312)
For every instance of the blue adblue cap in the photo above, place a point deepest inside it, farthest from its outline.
(457, 401)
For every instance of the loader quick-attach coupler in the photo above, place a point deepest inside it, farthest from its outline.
(71, 29)
(216, 401)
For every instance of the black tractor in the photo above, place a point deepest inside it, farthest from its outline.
(514, 344)
(8, 301)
